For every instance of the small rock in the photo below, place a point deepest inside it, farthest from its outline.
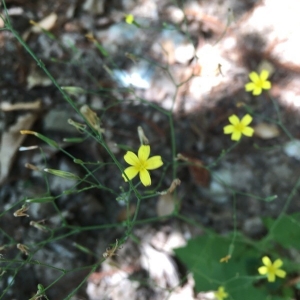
(253, 226)
(292, 149)
(57, 120)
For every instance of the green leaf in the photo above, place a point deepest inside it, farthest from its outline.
(242, 288)
(202, 257)
(286, 230)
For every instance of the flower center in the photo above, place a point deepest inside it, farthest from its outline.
(141, 166)
(260, 83)
(239, 127)
(271, 269)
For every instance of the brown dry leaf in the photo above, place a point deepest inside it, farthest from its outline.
(166, 205)
(47, 23)
(200, 175)
(10, 142)
(6, 106)
(266, 131)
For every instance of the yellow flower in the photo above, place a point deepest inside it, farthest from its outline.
(259, 82)
(239, 128)
(141, 164)
(129, 19)
(271, 269)
(221, 294)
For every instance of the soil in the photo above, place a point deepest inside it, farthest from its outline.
(202, 92)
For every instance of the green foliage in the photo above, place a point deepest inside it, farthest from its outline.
(202, 257)
(286, 230)
(239, 275)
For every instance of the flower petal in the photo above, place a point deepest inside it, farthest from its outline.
(280, 273)
(266, 261)
(131, 172)
(144, 152)
(154, 162)
(233, 119)
(131, 158)
(266, 85)
(228, 129)
(247, 119)
(236, 135)
(277, 263)
(145, 177)
(254, 77)
(257, 91)
(250, 86)
(263, 270)
(264, 75)
(248, 131)
(271, 277)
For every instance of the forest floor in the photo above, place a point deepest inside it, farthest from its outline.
(192, 58)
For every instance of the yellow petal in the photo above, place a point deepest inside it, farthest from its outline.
(247, 119)
(280, 273)
(228, 129)
(154, 162)
(249, 87)
(257, 91)
(234, 120)
(131, 172)
(145, 177)
(264, 75)
(271, 277)
(254, 76)
(236, 135)
(266, 85)
(131, 158)
(277, 263)
(266, 261)
(144, 152)
(263, 270)
(248, 131)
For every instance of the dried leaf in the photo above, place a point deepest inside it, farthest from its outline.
(6, 106)
(47, 23)
(10, 142)
(200, 175)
